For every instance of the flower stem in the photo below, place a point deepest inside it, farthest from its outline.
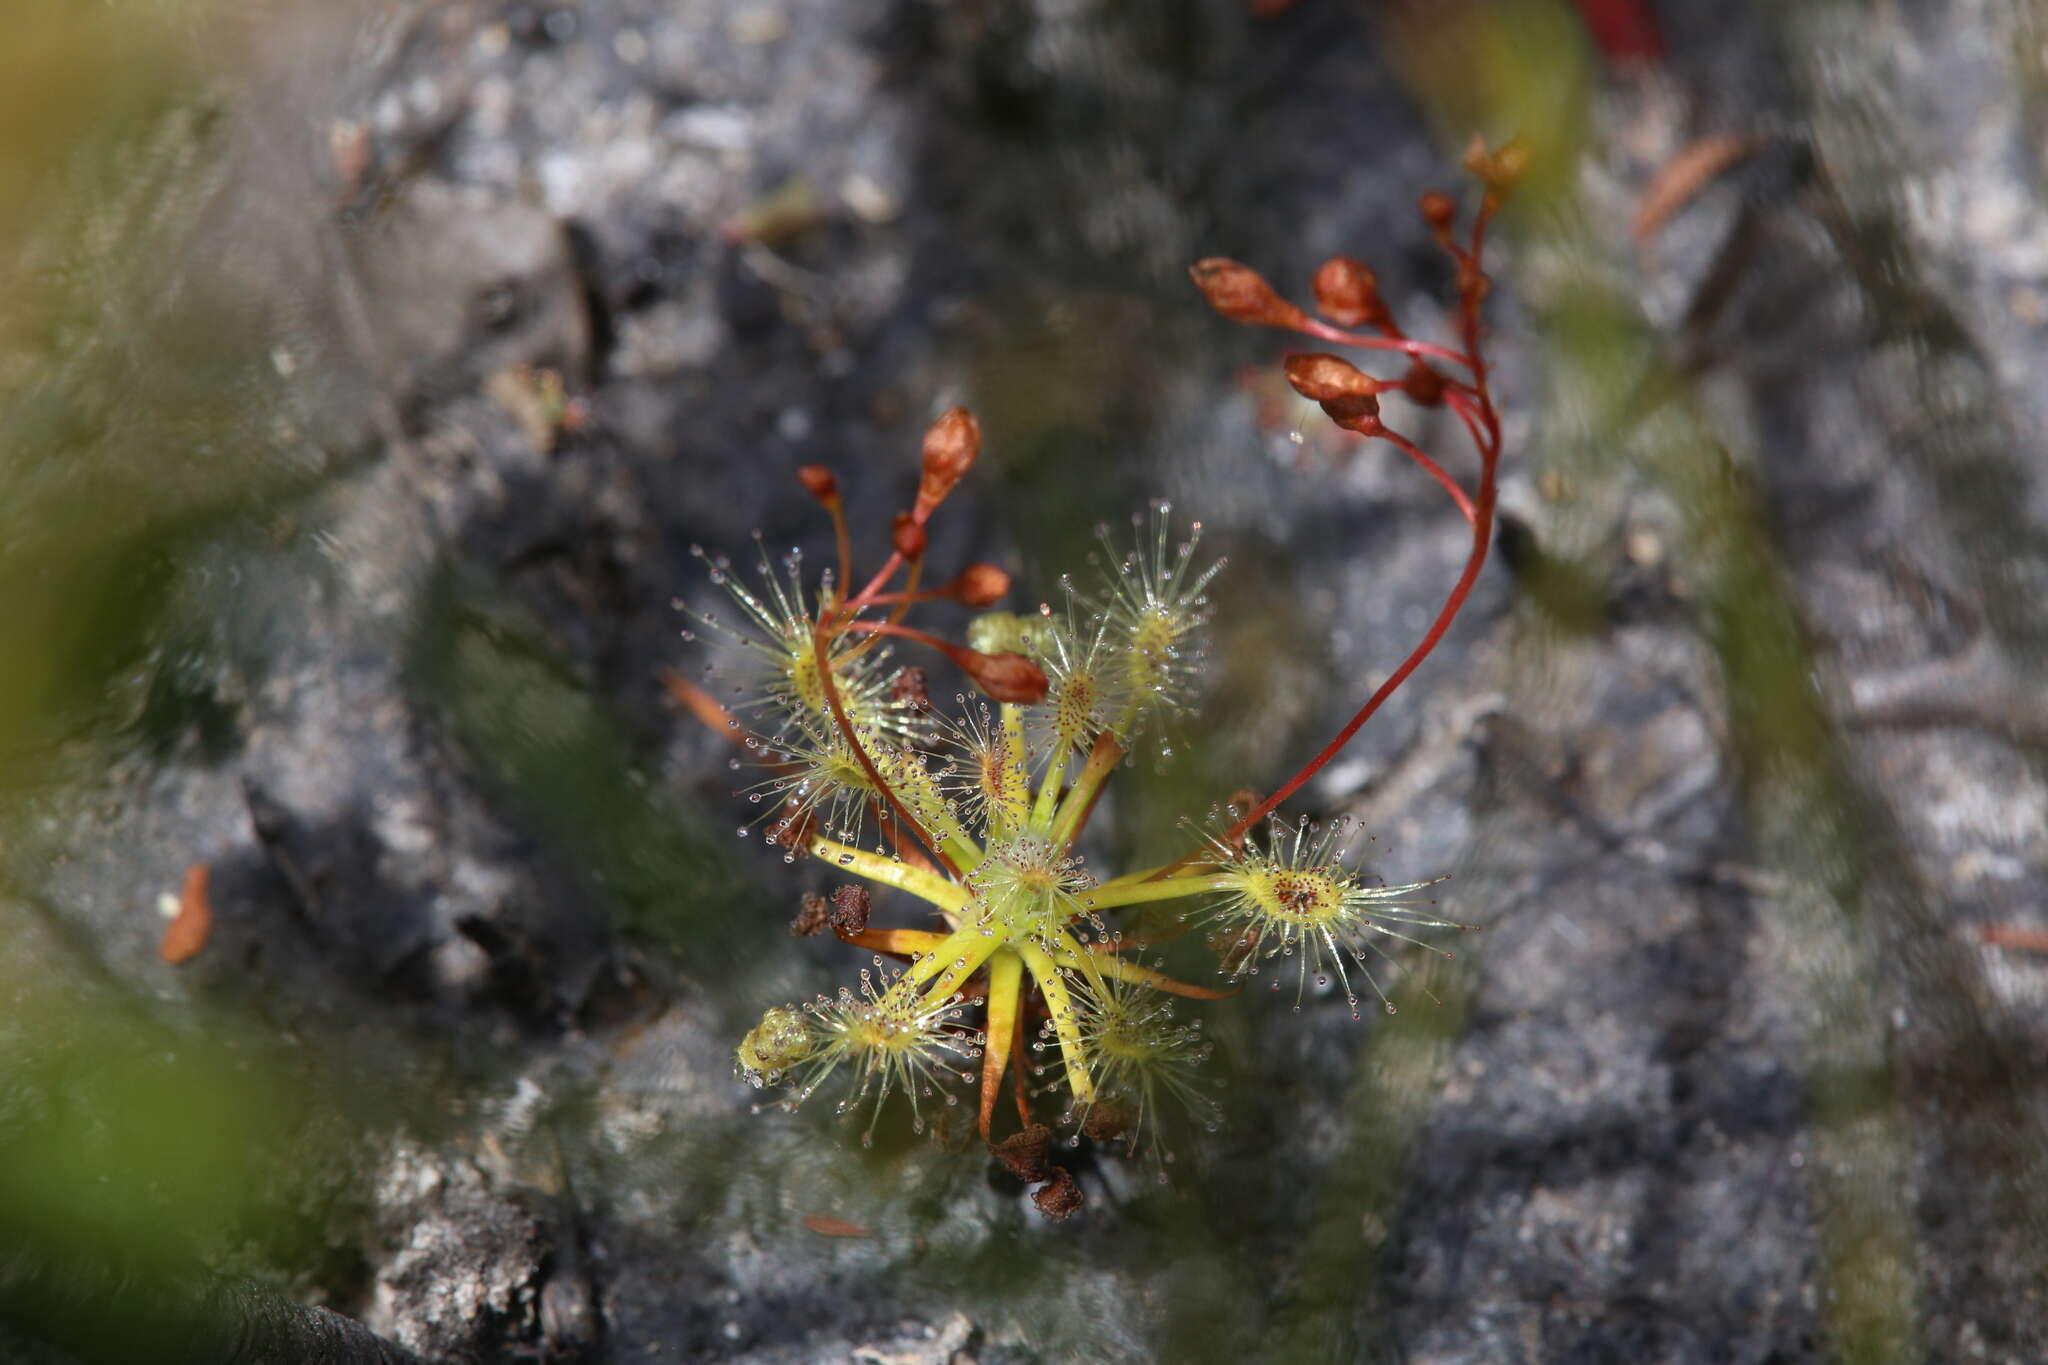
(821, 644)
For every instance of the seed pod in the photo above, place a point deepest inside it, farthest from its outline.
(1024, 1154)
(911, 686)
(1327, 377)
(950, 447)
(820, 483)
(793, 828)
(1361, 414)
(1239, 293)
(1423, 384)
(1059, 1198)
(813, 917)
(1006, 677)
(908, 537)
(1233, 947)
(978, 585)
(1348, 293)
(850, 909)
(1110, 1121)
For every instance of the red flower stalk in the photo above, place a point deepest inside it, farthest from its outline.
(1347, 292)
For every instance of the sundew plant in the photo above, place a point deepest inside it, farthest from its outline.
(1017, 966)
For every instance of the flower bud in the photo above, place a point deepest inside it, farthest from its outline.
(820, 483)
(1325, 377)
(979, 585)
(1498, 170)
(1423, 384)
(950, 447)
(1348, 293)
(1006, 677)
(1473, 284)
(908, 537)
(1239, 293)
(1439, 210)
(780, 1041)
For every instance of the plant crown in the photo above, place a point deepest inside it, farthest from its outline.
(977, 810)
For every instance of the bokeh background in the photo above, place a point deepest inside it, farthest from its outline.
(367, 372)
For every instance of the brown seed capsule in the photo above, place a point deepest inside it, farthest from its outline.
(1327, 377)
(1006, 677)
(1348, 293)
(950, 447)
(812, 917)
(979, 585)
(911, 686)
(1473, 285)
(1059, 1198)
(1423, 384)
(850, 909)
(1110, 1121)
(1025, 1153)
(1439, 210)
(1360, 414)
(820, 483)
(1241, 294)
(792, 829)
(907, 536)
(1232, 947)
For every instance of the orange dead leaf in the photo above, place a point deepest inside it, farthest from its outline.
(827, 1226)
(187, 933)
(703, 706)
(2011, 936)
(1682, 177)
(902, 942)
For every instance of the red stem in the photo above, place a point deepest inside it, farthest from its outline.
(866, 598)
(946, 647)
(1316, 327)
(821, 646)
(1482, 535)
(1474, 407)
(1435, 471)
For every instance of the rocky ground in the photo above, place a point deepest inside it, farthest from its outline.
(382, 373)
